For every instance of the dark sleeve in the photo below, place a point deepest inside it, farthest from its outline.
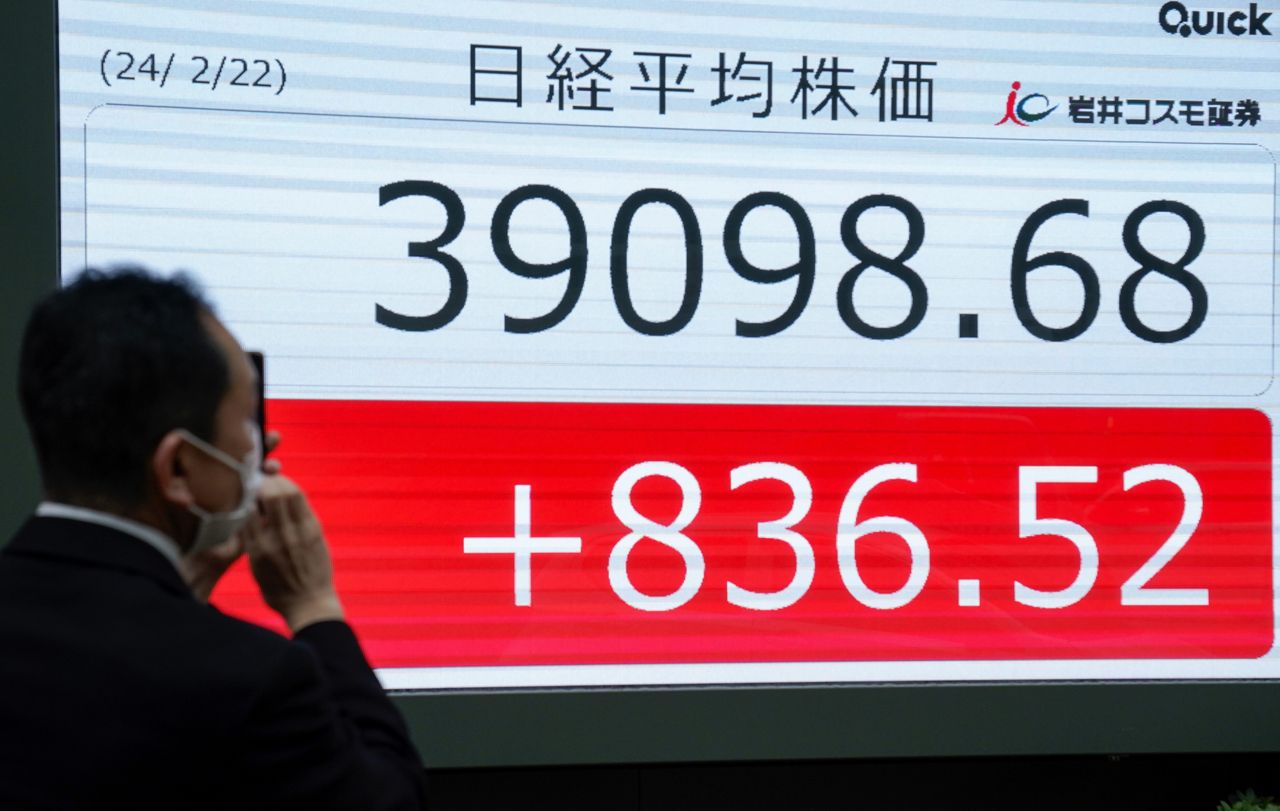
(324, 734)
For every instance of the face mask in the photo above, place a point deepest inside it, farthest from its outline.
(216, 528)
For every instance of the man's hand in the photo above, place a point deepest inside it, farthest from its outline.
(289, 557)
(202, 570)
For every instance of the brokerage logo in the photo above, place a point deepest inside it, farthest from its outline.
(1027, 110)
(1176, 19)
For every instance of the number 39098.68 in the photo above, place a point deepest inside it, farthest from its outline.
(803, 271)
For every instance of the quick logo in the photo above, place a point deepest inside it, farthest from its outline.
(1176, 19)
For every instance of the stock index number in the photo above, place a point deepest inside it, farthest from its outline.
(803, 271)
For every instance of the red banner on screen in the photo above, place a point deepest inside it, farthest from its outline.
(1147, 531)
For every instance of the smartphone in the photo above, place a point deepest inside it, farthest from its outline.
(260, 363)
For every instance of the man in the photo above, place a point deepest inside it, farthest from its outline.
(119, 687)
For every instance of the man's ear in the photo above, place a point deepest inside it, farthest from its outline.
(171, 468)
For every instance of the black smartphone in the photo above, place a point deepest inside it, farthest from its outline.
(260, 363)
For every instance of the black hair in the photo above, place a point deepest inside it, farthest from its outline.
(109, 365)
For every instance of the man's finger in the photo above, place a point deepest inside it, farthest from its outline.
(251, 532)
(299, 510)
(274, 502)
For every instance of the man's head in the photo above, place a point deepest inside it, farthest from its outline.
(113, 368)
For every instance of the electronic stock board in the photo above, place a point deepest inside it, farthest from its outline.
(701, 343)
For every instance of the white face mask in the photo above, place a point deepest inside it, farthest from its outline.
(215, 528)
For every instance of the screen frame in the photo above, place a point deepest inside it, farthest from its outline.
(458, 729)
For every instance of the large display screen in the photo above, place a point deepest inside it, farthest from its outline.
(726, 343)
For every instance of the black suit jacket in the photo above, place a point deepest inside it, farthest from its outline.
(120, 690)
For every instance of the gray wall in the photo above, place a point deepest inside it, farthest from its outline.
(28, 226)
